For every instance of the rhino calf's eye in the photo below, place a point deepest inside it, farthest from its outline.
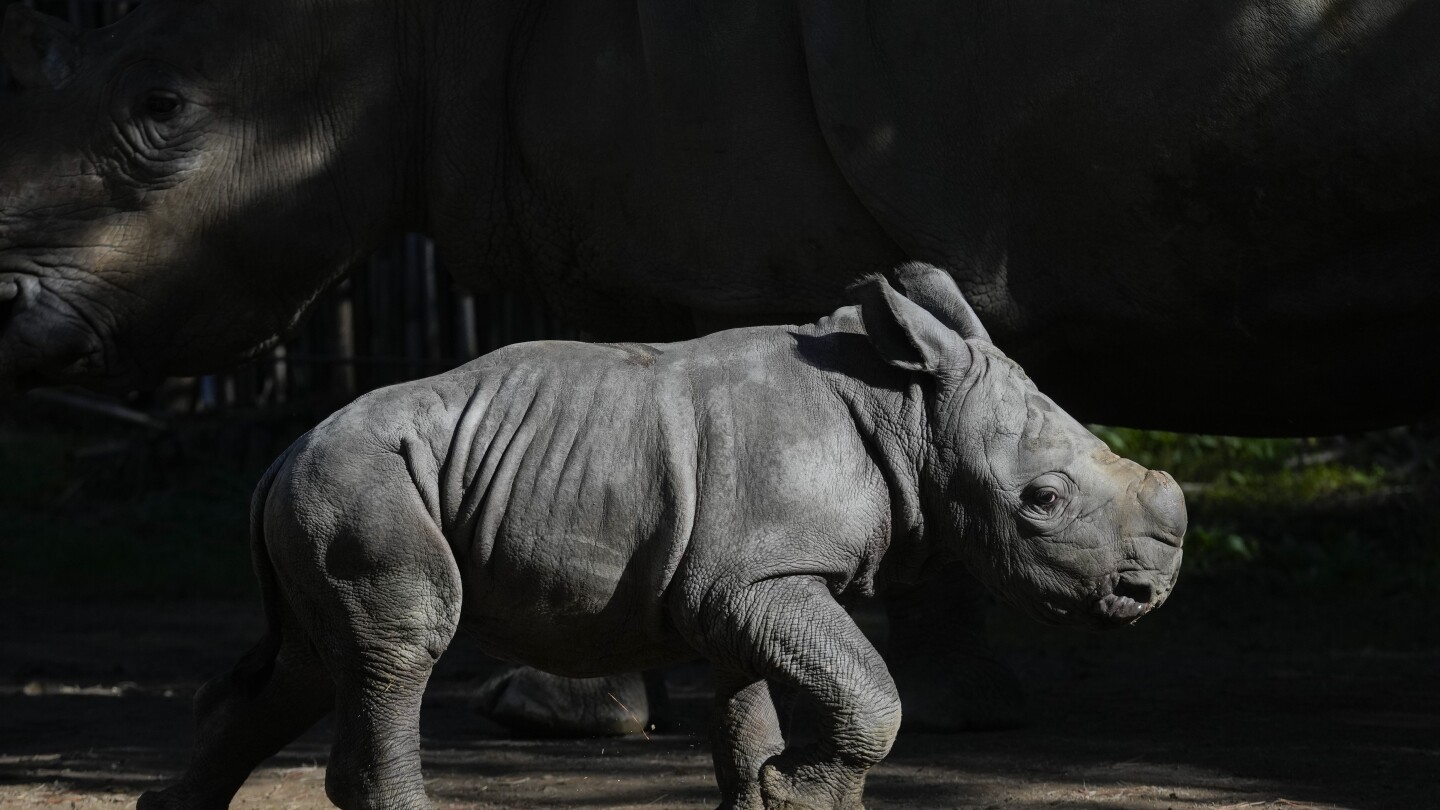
(1046, 494)
(1044, 497)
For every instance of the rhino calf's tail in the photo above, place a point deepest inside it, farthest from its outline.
(252, 672)
(274, 693)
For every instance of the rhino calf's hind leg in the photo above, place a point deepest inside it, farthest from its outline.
(375, 759)
(243, 717)
(376, 585)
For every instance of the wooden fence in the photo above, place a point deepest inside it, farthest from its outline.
(395, 317)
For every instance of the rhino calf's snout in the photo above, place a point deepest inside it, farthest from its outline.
(1164, 504)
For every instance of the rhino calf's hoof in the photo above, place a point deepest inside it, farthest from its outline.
(175, 799)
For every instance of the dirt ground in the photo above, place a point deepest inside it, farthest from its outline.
(1229, 697)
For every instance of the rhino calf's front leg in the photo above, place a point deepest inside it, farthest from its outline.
(790, 632)
(745, 734)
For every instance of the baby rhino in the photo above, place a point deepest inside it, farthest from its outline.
(588, 509)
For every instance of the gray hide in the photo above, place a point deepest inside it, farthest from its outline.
(594, 508)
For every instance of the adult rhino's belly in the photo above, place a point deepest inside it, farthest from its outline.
(1194, 215)
(1253, 342)
(1243, 292)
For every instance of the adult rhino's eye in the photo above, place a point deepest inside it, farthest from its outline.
(162, 105)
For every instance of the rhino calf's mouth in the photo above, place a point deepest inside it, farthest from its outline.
(1121, 609)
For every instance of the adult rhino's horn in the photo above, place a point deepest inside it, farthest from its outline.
(935, 290)
(39, 51)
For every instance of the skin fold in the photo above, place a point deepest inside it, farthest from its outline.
(592, 508)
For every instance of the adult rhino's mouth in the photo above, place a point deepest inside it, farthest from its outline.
(42, 339)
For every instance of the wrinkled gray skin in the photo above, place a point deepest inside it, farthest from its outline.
(589, 508)
(1235, 198)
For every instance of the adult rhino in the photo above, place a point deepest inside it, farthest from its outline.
(1238, 195)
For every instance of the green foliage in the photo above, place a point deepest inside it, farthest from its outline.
(1195, 457)
(1218, 545)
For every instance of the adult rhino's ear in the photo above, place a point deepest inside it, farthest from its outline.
(903, 332)
(936, 291)
(40, 52)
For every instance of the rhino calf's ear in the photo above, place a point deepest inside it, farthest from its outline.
(39, 51)
(936, 291)
(904, 333)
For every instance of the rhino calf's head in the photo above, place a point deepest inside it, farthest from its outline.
(1044, 513)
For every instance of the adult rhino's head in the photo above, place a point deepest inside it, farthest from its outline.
(1044, 512)
(176, 187)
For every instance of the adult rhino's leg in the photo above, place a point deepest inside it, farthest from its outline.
(272, 696)
(534, 703)
(939, 653)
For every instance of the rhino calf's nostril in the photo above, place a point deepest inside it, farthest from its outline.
(1141, 591)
